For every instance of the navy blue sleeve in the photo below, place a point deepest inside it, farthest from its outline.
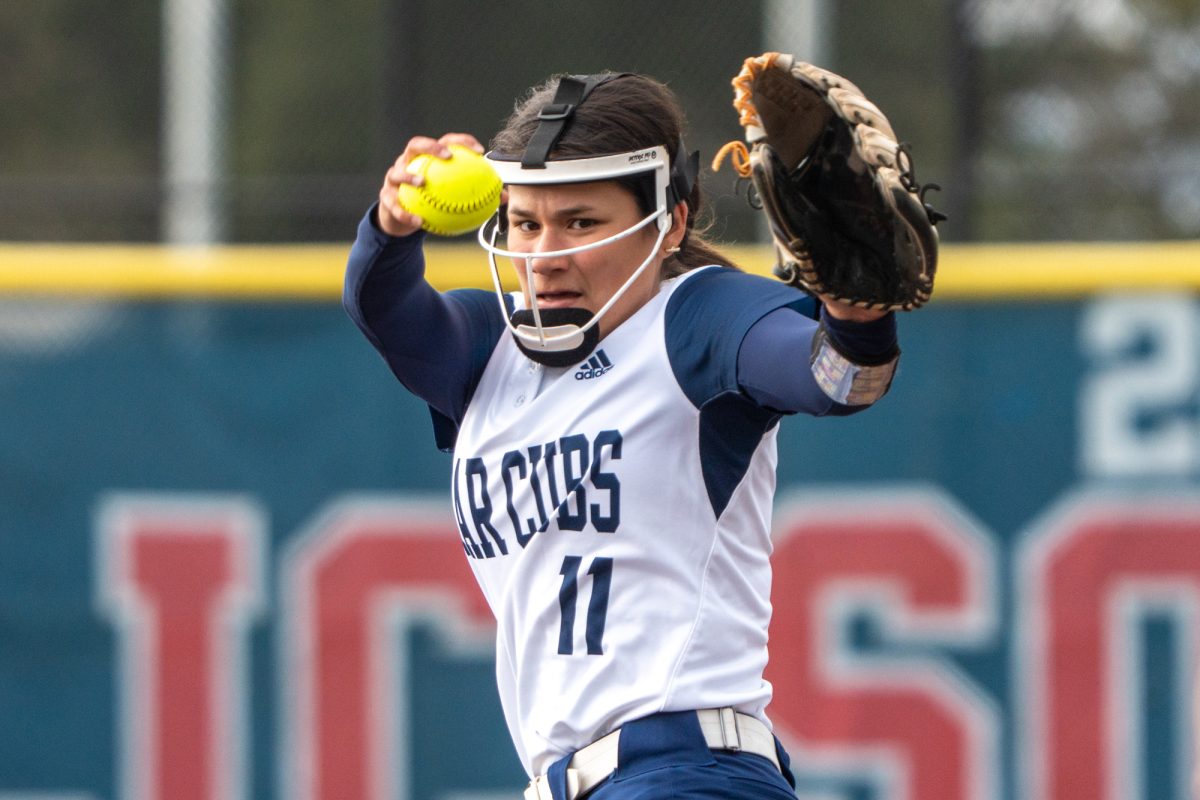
(437, 344)
(773, 363)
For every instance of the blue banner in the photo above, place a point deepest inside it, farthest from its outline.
(229, 567)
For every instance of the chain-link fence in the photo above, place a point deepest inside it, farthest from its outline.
(1043, 119)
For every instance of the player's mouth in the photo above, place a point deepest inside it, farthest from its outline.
(558, 299)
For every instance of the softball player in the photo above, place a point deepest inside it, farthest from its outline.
(613, 427)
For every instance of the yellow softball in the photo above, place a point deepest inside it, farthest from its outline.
(458, 194)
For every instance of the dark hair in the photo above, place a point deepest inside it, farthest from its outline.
(630, 112)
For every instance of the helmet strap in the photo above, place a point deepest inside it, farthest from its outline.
(555, 117)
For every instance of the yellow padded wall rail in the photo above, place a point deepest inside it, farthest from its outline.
(314, 272)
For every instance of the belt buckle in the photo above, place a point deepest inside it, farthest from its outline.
(731, 738)
(539, 787)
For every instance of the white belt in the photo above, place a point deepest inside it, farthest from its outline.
(723, 729)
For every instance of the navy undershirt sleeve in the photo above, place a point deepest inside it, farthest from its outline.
(773, 362)
(437, 344)
(733, 333)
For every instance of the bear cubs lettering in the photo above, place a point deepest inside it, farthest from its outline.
(547, 482)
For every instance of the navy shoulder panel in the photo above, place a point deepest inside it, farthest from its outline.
(707, 319)
(731, 430)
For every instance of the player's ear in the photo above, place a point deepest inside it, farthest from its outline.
(679, 224)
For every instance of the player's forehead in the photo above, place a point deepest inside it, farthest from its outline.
(593, 196)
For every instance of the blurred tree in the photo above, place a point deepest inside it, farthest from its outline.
(1093, 119)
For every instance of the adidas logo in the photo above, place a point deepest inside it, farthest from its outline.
(594, 367)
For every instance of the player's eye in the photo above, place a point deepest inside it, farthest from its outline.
(582, 223)
(524, 225)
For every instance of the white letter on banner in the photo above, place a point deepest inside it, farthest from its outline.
(1133, 410)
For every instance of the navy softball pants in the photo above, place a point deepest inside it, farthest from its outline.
(665, 757)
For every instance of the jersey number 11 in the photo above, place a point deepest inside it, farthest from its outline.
(597, 611)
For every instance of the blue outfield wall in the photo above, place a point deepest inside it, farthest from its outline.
(229, 566)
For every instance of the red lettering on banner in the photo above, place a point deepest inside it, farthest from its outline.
(919, 569)
(360, 569)
(182, 578)
(904, 572)
(1088, 575)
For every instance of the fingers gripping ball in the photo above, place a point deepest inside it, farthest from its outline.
(458, 194)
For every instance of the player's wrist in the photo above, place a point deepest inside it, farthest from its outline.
(848, 313)
(383, 222)
(863, 342)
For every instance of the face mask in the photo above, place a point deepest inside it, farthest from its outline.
(561, 337)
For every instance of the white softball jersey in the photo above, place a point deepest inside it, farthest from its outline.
(616, 514)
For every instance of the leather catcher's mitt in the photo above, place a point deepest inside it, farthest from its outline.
(848, 218)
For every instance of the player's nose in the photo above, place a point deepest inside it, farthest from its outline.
(546, 264)
(548, 244)
(531, 265)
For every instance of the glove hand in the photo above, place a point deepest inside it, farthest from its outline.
(847, 216)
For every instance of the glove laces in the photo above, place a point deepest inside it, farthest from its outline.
(747, 114)
(908, 179)
(739, 157)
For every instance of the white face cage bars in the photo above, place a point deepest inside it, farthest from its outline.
(581, 170)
